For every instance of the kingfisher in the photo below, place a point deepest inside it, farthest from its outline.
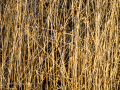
(60, 31)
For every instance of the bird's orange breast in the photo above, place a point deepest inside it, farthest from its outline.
(60, 31)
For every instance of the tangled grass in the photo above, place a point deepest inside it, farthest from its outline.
(84, 56)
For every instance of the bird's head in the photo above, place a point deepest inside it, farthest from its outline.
(60, 29)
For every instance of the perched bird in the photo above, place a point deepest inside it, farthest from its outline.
(60, 31)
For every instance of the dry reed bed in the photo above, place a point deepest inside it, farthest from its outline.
(85, 56)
